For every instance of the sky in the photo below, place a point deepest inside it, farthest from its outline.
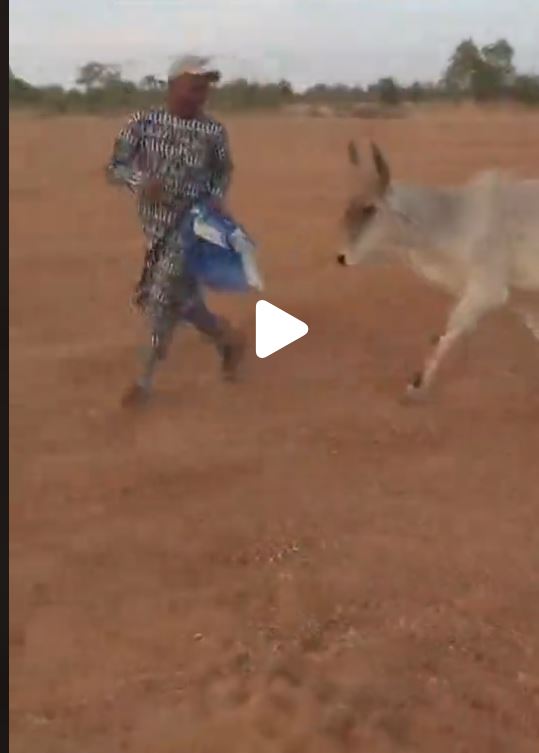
(304, 41)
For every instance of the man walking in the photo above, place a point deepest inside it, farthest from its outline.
(174, 157)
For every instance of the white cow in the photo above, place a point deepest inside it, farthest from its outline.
(479, 241)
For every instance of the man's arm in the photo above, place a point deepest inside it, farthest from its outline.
(221, 167)
(121, 169)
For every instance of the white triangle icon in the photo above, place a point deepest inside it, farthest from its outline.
(275, 329)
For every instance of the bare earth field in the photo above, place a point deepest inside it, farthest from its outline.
(299, 563)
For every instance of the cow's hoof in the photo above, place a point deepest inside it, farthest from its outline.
(416, 390)
(413, 396)
(135, 397)
(417, 382)
(341, 259)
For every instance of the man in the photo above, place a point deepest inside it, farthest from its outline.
(173, 157)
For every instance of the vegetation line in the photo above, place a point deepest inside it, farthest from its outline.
(481, 74)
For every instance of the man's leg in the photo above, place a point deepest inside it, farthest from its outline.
(163, 324)
(162, 331)
(155, 296)
(229, 342)
(154, 248)
(165, 313)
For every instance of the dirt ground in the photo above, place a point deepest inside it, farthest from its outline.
(298, 563)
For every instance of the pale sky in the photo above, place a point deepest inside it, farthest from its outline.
(305, 41)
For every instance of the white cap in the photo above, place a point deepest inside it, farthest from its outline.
(194, 65)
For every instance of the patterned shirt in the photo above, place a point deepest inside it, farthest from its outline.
(190, 156)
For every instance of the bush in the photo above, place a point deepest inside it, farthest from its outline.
(21, 92)
(526, 90)
(388, 92)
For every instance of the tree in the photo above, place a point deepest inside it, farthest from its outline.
(317, 93)
(487, 82)
(499, 55)
(462, 65)
(526, 90)
(94, 74)
(20, 91)
(388, 92)
(90, 74)
(151, 83)
(416, 92)
(484, 73)
(286, 90)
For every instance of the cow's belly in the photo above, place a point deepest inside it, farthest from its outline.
(525, 271)
(525, 261)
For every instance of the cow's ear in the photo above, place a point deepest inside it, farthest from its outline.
(353, 154)
(382, 168)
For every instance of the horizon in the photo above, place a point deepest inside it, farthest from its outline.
(303, 41)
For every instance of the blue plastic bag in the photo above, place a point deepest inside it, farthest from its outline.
(218, 252)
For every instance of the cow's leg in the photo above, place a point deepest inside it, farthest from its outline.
(530, 319)
(477, 301)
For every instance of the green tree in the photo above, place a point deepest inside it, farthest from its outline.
(416, 92)
(317, 93)
(462, 65)
(95, 74)
(526, 90)
(151, 83)
(20, 91)
(388, 91)
(499, 55)
(286, 90)
(487, 82)
(485, 73)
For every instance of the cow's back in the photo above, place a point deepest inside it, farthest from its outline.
(501, 236)
(488, 228)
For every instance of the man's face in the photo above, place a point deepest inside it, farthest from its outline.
(188, 94)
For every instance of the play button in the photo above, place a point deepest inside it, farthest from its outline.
(275, 329)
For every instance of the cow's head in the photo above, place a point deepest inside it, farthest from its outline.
(365, 216)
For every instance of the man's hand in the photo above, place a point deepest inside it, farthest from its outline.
(152, 190)
(219, 205)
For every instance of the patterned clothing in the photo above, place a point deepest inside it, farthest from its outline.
(191, 158)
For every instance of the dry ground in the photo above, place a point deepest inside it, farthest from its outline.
(297, 563)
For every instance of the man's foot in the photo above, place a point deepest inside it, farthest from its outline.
(232, 353)
(135, 397)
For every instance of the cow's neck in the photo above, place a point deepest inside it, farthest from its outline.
(424, 238)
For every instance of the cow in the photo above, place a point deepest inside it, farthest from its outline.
(478, 241)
